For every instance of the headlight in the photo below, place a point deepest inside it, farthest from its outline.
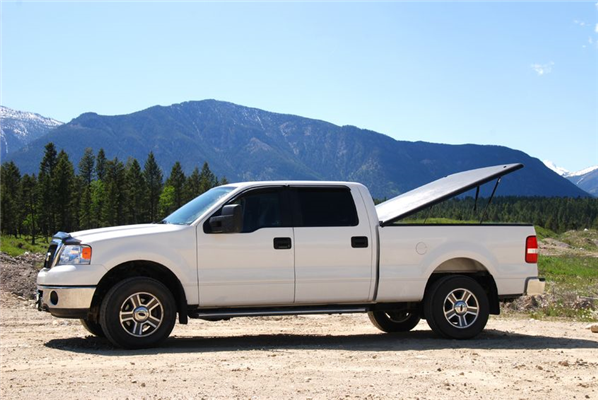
(75, 255)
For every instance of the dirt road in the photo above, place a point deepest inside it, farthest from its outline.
(310, 357)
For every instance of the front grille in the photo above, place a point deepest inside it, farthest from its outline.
(49, 261)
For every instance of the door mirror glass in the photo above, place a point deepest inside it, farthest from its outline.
(229, 221)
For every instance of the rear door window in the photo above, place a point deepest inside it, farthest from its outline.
(318, 207)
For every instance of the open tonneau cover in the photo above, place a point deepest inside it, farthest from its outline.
(436, 192)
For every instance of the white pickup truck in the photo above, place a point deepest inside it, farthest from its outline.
(292, 248)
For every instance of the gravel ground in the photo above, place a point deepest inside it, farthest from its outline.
(308, 357)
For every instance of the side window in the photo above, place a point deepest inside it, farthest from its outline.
(325, 207)
(261, 209)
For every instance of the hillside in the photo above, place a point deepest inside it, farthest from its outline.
(244, 143)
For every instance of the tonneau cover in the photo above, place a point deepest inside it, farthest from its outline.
(438, 191)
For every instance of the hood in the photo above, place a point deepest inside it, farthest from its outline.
(438, 191)
(115, 232)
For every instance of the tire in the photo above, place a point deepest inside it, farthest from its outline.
(138, 313)
(93, 327)
(456, 307)
(394, 321)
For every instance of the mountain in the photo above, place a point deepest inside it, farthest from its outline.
(18, 128)
(586, 179)
(244, 143)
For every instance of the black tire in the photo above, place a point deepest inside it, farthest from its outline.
(456, 307)
(394, 321)
(138, 313)
(93, 327)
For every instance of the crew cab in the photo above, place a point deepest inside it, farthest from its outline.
(292, 248)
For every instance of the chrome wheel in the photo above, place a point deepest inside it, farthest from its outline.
(141, 314)
(461, 308)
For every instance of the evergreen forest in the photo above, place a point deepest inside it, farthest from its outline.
(103, 193)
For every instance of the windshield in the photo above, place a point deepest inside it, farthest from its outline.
(196, 207)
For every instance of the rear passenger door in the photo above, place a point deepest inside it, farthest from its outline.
(333, 247)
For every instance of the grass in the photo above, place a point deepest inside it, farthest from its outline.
(18, 246)
(571, 289)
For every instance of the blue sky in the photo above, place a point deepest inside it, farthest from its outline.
(522, 75)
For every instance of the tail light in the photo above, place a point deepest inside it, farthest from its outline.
(531, 250)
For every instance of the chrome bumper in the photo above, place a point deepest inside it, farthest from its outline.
(65, 301)
(534, 286)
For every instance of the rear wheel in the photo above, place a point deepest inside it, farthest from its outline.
(138, 313)
(93, 327)
(394, 321)
(456, 307)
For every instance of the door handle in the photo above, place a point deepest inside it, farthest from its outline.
(282, 243)
(359, 242)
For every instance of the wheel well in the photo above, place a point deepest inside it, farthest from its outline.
(140, 268)
(475, 270)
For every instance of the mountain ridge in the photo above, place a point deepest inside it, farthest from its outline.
(244, 143)
(586, 179)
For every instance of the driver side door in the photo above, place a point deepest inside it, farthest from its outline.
(252, 267)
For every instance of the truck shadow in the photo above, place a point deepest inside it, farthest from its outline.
(416, 340)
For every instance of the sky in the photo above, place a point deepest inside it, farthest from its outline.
(522, 75)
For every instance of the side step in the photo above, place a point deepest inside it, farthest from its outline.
(225, 313)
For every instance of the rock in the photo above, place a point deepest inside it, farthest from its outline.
(593, 328)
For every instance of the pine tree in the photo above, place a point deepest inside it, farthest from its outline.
(207, 178)
(101, 164)
(47, 193)
(114, 182)
(136, 192)
(153, 180)
(63, 183)
(29, 201)
(192, 185)
(176, 180)
(86, 175)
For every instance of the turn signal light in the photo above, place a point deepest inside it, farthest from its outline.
(531, 250)
(86, 253)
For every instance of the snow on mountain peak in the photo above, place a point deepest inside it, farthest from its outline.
(558, 170)
(18, 128)
(583, 171)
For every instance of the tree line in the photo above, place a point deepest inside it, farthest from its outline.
(558, 214)
(103, 193)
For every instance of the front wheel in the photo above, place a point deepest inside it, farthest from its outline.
(456, 307)
(138, 313)
(394, 321)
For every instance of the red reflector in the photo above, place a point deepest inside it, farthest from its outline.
(531, 250)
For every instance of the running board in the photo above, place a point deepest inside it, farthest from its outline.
(225, 313)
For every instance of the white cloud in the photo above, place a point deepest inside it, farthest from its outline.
(542, 69)
(580, 23)
(596, 28)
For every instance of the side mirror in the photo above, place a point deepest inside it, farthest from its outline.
(229, 221)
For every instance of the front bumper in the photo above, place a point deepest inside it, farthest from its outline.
(534, 286)
(65, 301)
